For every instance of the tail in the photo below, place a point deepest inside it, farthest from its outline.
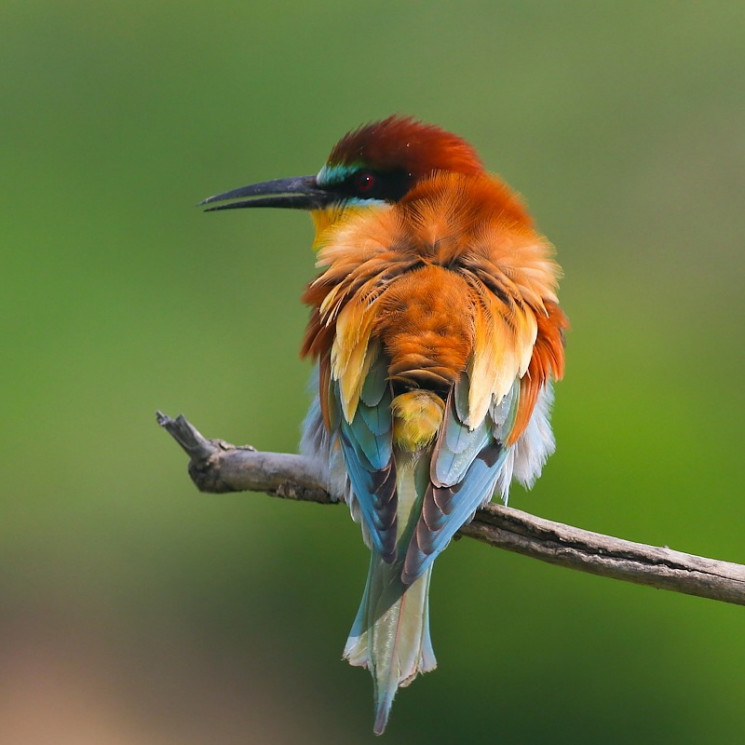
(390, 635)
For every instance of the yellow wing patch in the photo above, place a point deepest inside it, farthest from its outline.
(502, 350)
(352, 353)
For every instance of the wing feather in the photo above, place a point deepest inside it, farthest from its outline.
(366, 443)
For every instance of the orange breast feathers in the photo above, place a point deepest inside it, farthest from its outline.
(452, 279)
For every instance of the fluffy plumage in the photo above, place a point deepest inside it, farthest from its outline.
(437, 333)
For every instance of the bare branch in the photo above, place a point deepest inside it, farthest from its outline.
(217, 466)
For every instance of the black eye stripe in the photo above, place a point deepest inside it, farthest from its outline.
(388, 186)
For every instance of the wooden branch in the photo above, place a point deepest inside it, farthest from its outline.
(217, 466)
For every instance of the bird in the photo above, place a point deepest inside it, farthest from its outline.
(436, 337)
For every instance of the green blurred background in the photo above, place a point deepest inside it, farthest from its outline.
(135, 610)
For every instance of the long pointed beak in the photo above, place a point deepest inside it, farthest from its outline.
(301, 192)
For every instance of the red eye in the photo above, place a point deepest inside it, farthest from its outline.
(365, 182)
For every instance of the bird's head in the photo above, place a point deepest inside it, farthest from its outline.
(374, 165)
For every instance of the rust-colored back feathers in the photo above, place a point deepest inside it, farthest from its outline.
(452, 279)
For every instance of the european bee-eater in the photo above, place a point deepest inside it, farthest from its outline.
(436, 333)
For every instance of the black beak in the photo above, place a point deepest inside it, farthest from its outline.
(300, 193)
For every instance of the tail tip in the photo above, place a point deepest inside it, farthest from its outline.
(382, 712)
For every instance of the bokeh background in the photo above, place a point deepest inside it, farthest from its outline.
(134, 610)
